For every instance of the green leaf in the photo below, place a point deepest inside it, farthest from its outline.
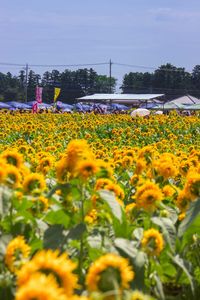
(4, 240)
(114, 206)
(58, 217)
(139, 268)
(168, 230)
(36, 245)
(126, 246)
(54, 237)
(94, 253)
(63, 187)
(184, 265)
(158, 287)
(76, 232)
(138, 259)
(191, 215)
(138, 233)
(5, 200)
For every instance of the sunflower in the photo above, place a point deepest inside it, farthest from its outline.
(12, 176)
(101, 183)
(40, 204)
(77, 150)
(105, 169)
(140, 166)
(166, 169)
(62, 170)
(86, 168)
(45, 164)
(137, 295)
(12, 157)
(51, 262)
(40, 287)
(107, 272)
(169, 190)
(192, 186)
(152, 242)
(2, 173)
(183, 200)
(34, 181)
(91, 217)
(127, 161)
(129, 208)
(116, 189)
(148, 195)
(17, 253)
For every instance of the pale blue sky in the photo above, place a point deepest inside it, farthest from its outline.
(138, 32)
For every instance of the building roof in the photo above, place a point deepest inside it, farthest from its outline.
(123, 98)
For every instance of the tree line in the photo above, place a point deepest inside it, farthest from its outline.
(167, 79)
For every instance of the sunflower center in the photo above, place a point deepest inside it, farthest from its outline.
(110, 279)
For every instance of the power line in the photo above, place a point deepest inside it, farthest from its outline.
(95, 64)
(72, 65)
(11, 64)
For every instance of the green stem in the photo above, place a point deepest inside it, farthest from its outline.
(80, 265)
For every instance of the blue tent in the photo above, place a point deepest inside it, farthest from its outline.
(4, 105)
(44, 105)
(18, 105)
(82, 107)
(119, 106)
(63, 105)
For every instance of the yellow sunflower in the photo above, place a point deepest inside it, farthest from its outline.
(152, 242)
(17, 253)
(109, 272)
(77, 150)
(34, 181)
(51, 262)
(183, 200)
(137, 295)
(192, 186)
(148, 195)
(86, 168)
(40, 287)
(12, 176)
(101, 183)
(13, 157)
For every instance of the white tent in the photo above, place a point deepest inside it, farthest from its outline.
(121, 98)
(186, 100)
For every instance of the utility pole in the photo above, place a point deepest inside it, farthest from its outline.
(26, 83)
(110, 76)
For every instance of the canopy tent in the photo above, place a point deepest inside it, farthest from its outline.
(4, 105)
(44, 105)
(63, 105)
(150, 105)
(121, 98)
(119, 106)
(82, 107)
(168, 106)
(18, 105)
(192, 107)
(186, 100)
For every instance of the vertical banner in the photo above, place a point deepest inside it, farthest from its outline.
(39, 94)
(56, 93)
(35, 108)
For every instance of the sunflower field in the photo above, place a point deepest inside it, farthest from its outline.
(99, 207)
